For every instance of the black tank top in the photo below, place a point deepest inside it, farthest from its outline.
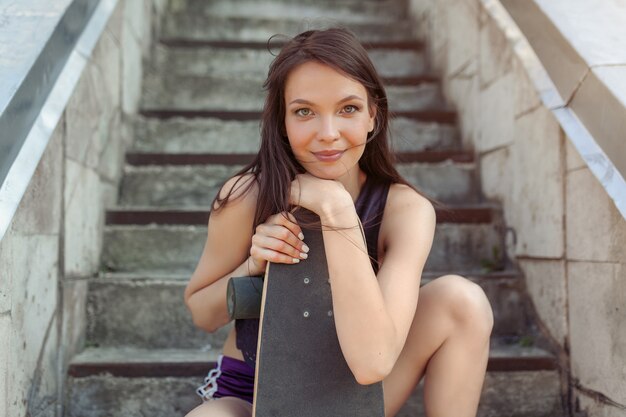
(370, 206)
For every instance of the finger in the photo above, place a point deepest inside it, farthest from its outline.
(292, 218)
(278, 245)
(273, 256)
(287, 220)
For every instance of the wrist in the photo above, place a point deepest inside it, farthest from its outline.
(251, 268)
(338, 211)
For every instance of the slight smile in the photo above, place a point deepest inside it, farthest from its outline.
(328, 156)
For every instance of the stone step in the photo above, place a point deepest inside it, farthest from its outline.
(520, 382)
(240, 94)
(208, 28)
(344, 11)
(197, 185)
(479, 213)
(178, 159)
(212, 135)
(147, 310)
(457, 247)
(254, 63)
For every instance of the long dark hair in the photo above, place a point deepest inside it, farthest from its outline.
(275, 167)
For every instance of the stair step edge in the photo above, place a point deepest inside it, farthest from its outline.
(145, 363)
(130, 277)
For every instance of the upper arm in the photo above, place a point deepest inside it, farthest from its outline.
(407, 232)
(229, 235)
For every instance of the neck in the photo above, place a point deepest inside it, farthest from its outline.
(353, 181)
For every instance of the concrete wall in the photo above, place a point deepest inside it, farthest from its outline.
(571, 239)
(54, 241)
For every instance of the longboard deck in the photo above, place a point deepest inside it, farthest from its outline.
(300, 369)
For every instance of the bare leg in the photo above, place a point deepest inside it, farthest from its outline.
(448, 343)
(223, 407)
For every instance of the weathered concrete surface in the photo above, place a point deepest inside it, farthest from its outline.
(254, 63)
(74, 318)
(206, 28)
(241, 94)
(28, 296)
(41, 311)
(344, 11)
(176, 186)
(146, 314)
(457, 248)
(546, 285)
(104, 396)
(601, 237)
(170, 186)
(5, 342)
(131, 65)
(510, 394)
(84, 220)
(538, 216)
(597, 299)
(507, 394)
(594, 408)
(570, 235)
(181, 135)
(445, 181)
(200, 135)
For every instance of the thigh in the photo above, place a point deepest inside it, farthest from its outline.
(223, 407)
(432, 324)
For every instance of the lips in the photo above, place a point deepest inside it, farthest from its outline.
(328, 155)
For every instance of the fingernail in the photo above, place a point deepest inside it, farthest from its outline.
(304, 255)
(305, 248)
(296, 260)
(301, 236)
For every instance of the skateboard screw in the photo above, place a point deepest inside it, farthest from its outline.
(305, 314)
(330, 313)
(307, 280)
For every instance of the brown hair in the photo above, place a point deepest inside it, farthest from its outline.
(275, 167)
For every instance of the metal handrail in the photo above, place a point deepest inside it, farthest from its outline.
(39, 94)
(25, 87)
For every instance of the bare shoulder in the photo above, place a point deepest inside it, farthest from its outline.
(241, 192)
(406, 210)
(404, 200)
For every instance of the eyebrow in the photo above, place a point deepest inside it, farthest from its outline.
(348, 98)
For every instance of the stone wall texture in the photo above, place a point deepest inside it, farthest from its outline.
(54, 241)
(571, 239)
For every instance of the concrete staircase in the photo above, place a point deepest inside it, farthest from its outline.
(199, 123)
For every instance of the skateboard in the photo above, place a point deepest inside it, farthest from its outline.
(300, 369)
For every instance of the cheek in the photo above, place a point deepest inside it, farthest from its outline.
(298, 134)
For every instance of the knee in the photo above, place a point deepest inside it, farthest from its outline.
(468, 304)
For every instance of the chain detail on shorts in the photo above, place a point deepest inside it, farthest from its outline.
(206, 390)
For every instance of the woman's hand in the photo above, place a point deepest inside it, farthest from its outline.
(321, 196)
(278, 240)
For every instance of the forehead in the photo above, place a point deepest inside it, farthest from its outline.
(315, 82)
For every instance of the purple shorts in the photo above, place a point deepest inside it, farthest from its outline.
(230, 378)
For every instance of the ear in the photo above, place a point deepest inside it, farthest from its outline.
(372, 119)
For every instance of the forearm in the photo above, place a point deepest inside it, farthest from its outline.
(208, 305)
(364, 327)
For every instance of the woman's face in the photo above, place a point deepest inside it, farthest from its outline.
(327, 120)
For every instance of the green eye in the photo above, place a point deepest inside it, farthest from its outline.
(303, 112)
(350, 109)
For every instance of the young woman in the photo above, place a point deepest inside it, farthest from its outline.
(325, 148)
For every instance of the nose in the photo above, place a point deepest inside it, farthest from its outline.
(329, 129)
